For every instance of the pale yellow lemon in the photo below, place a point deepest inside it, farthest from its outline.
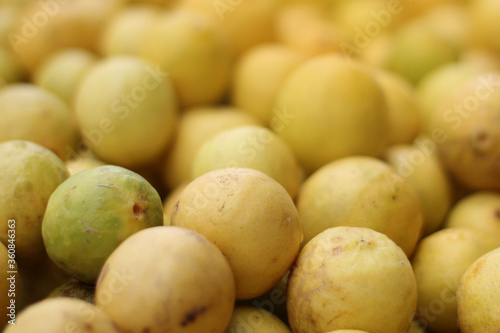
(438, 83)
(61, 314)
(197, 125)
(478, 295)
(193, 52)
(479, 210)
(251, 319)
(304, 26)
(402, 107)
(351, 277)
(438, 279)
(123, 101)
(253, 147)
(421, 167)
(361, 191)
(328, 108)
(483, 16)
(244, 24)
(124, 32)
(31, 113)
(468, 124)
(181, 279)
(252, 220)
(258, 76)
(62, 72)
(56, 25)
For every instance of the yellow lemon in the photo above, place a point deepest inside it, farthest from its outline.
(125, 30)
(253, 147)
(60, 314)
(259, 74)
(479, 210)
(251, 319)
(31, 113)
(196, 125)
(62, 72)
(252, 220)
(437, 279)
(182, 281)
(402, 107)
(200, 66)
(467, 129)
(478, 295)
(422, 168)
(361, 191)
(123, 101)
(351, 277)
(329, 108)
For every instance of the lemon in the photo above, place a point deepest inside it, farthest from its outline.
(402, 107)
(244, 24)
(478, 295)
(304, 26)
(192, 50)
(181, 279)
(250, 319)
(34, 114)
(57, 25)
(351, 277)
(479, 210)
(361, 21)
(259, 74)
(361, 191)
(62, 72)
(92, 212)
(252, 220)
(29, 173)
(124, 32)
(483, 16)
(9, 13)
(438, 83)
(438, 279)
(123, 101)
(329, 108)
(196, 125)
(417, 48)
(253, 147)
(468, 127)
(422, 168)
(60, 314)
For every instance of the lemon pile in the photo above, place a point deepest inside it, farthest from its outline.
(324, 166)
